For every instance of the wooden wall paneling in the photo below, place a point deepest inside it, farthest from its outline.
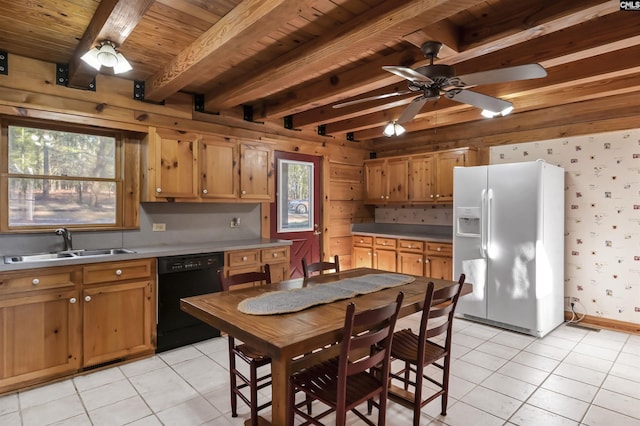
(327, 198)
(132, 176)
(346, 190)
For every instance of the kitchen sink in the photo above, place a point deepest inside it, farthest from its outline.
(40, 257)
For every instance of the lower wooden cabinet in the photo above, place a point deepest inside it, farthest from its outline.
(252, 260)
(52, 323)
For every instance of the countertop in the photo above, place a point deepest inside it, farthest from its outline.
(150, 252)
(435, 233)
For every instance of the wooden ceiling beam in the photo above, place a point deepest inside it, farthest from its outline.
(445, 31)
(114, 20)
(242, 26)
(378, 26)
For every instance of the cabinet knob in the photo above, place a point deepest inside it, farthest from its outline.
(375, 254)
(35, 281)
(439, 249)
(387, 197)
(118, 272)
(204, 191)
(419, 260)
(243, 192)
(369, 253)
(409, 246)
(437, 195)
(73, 300)
(426, 261)
(384, 243)
(158, 190)
(382, 197)
(244, 258)
(275, 254)
(431, 195)
(87, 298)
(361, 241)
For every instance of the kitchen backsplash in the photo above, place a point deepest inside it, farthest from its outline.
(602, 217)
(432, 215)
(185, 223)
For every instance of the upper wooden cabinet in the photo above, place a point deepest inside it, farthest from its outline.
(415, 179)
(184, 166)
(386, 180)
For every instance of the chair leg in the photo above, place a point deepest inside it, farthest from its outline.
(232, 380)
(254, 394)
(407, 373)
(445, 385)
(417, 395)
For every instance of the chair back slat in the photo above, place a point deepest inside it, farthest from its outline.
(441, 303)
(244, 278)
(321, 267)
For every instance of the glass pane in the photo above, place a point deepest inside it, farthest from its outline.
(295, 200)
(35, 151)
(39, 202)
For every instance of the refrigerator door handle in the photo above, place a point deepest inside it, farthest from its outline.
(487, 238)
(483, 215)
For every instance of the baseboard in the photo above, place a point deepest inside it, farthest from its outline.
(609, 324)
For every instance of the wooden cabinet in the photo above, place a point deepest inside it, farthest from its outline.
(252, 260)
(362, 251)
(119, 310)
(55, 321)
(184, 166)
(413, 257)
(40, 323)
(386, 180)
(415, 179)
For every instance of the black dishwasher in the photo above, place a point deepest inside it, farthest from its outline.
(184, 276)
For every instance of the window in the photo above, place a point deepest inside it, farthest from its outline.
(295, 179)
(61, 177)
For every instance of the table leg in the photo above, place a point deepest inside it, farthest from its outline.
(280, 371)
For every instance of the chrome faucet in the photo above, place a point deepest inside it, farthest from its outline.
(66, 235)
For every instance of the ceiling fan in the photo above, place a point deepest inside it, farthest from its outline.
(434, 80)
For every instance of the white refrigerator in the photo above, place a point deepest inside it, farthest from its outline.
(508, 239)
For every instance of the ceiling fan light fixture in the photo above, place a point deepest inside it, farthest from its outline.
(393, 129)
(491, 114)
(106, 55)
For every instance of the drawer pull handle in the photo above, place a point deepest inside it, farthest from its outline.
(73, 300)
(243, 192)
(204, 191)
(244, 258)
(439, 249)
(35, 281)
(426, 261)
(118, 272)
(361, 241)
(158, 190)
(87, 298)
(275, 254)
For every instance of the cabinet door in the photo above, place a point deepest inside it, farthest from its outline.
(398, 179)
(445, 162)
(362, 257)
(411, 263)
(118, 320)
(256, 172)
(439, 267)
(385, 260)
(421, 176)
(176, 164)
(39, 338)
(375, 182)
(218, 168)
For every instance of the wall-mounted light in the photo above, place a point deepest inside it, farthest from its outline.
(392, 129)
(491, 114)
(106, 55)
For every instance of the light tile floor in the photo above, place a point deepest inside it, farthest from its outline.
(573, 376)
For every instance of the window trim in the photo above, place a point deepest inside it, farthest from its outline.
(121, 222)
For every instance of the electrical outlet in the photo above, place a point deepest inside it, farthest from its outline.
(159, 227)
(235, 222)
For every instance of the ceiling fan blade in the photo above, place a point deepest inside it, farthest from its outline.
(414, 107)
(371, 98)
(480, 100)
(520, 72)
(408, 73)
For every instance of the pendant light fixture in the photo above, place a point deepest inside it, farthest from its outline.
(106, 55)
(393, 129)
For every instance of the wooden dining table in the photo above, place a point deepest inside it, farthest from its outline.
(286, 336)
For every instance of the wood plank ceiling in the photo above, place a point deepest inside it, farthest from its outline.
(295, 59)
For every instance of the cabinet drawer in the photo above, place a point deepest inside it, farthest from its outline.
(411, 245)
(275, 255)
(361, 240)
(116, 271)
(242, 258)
(386, 242)
(36, 280)
(444, 248)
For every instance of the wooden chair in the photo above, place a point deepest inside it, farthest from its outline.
(346, 381)
(418, 351)
(254, 358)
(307, 269)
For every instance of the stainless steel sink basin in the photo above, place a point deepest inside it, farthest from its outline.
(40, 257)
(103, 252)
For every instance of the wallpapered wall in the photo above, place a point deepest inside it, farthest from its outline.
(602, 217)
